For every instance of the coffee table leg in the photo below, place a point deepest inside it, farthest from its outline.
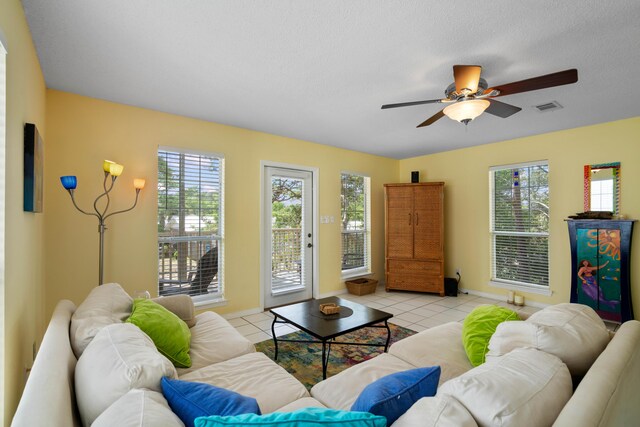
(386, 346)
(275, 340)
(324, 360)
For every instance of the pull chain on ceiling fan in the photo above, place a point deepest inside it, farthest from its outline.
(469, 95)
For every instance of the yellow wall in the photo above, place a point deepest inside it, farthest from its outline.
(23, 294)
(81, 132)
(465, 172)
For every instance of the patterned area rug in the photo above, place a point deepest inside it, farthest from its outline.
(303, 361)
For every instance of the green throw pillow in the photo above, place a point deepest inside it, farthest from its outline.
(478, 327)
(169, 333)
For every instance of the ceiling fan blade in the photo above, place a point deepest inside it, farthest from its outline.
(408, 104)
(501, 109)
(550, 80)
(432, 119)
(466, 77)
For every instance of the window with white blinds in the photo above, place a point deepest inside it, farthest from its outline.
(190, 224)
(356, 224)
(520, 224)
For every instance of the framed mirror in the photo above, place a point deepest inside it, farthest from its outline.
(602, 187)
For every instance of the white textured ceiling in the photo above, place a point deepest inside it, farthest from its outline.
(320, 70)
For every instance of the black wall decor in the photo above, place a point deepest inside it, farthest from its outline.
(33, 169)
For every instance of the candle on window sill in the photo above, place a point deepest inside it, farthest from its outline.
(519, 300)
(510, 296)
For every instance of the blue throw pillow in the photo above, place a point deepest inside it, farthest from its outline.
(189, 400)
(392, 395)
(301, 418)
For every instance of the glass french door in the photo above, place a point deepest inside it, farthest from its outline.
(288, 239)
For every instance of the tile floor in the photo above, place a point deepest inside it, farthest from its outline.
(415, 311)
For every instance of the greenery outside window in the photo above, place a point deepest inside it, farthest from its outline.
(356, 225)
(520, 226)
(191, 224)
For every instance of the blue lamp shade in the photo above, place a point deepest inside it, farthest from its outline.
(69, 182)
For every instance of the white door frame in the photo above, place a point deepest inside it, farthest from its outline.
(315, 177)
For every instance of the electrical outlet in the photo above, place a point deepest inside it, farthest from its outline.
(457, 270)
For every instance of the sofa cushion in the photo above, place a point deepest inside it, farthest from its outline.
(479, 326)
(138, 408)
(214, 340)
(304, 417)
(121, 357)
(341, 391)
(190, 400)
(305, 402)
(180, 305)
(392, 395)
(440, 411)
(526, 386)
(169, 333)
(105, 305)
(573, 332)
(253, 375)
(437, 346)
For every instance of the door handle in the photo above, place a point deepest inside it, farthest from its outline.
(309, 245)
(409, 218)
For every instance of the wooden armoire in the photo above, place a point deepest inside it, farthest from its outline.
(414, 237)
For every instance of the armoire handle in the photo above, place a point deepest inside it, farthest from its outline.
(409, 218)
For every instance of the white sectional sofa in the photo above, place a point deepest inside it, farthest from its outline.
(514, 388)
(219, 354)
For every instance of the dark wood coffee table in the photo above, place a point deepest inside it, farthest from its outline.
(307, 317)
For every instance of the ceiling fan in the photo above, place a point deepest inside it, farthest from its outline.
(469, 95)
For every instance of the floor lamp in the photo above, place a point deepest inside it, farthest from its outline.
(113, 170)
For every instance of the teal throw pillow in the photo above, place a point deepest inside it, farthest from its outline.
(301, 418)
(392, 395)
(169, 333)
(478, 327)
(190, 400)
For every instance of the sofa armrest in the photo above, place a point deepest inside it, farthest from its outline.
(180, 305)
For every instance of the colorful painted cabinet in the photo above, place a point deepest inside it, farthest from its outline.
(600, 272)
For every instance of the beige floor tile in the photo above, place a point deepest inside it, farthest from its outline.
(399, 297)
(467, 308)
(258, 337)
(264, 325)
(430, 322)
(393, 310)
(238, 321)
(247, 330)
(400, 322)
(449, 302)
(253, 318)
(424, 311)
(410, 317)
(403, 306)
(418, 328)
(416, 301)
(384, 301)
(374, 305)
(435, 307)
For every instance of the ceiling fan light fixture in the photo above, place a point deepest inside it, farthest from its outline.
(465, 111)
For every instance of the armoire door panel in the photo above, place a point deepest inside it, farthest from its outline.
(427, 230)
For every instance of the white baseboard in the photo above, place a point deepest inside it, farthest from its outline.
(501, 298)
(333, 293)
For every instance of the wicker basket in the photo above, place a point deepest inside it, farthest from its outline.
(361, 286)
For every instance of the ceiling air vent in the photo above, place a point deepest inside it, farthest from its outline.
(549, 106)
